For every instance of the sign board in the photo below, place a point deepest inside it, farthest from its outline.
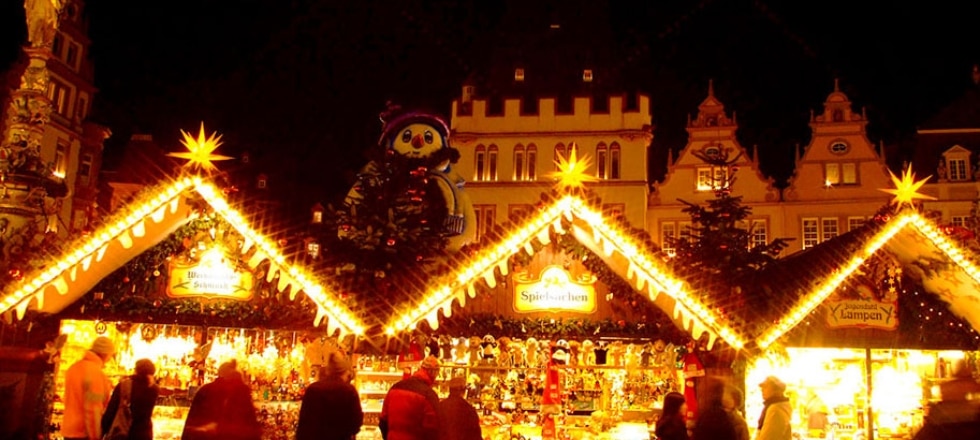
(211, 276)
(862, 314)
(555, 290)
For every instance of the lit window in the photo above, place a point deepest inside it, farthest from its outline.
(601, 153)
(614, 161)
(532, 159)
(479, 166)
(759, 233)
(849, 175)
(811, 232)
(491, 163)
(829, 228)
(957, 169)
(855, 223)
(832, 173)
(668, 232)
(519, 162)
(519, 74)
(59, 94)
(836, 173)
(712, 178)
(60, 165)
(313, 249)
(587, 75)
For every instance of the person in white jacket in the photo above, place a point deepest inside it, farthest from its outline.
(774, 423)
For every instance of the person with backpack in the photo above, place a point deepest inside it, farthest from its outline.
(132, 404)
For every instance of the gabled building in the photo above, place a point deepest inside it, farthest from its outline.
(713, 160)
(837, 179)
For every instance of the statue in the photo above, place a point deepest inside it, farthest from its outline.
(42, 21)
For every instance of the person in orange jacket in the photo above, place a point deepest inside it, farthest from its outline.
(87, 392)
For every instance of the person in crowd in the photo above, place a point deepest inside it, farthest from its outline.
(957, 415)
(143, 392)
(331, 406)
(817, 415)
(733, 401)
(223, 409)
(774, 422)
(714, 422)
(87, 391)
(671, 424)
(409, 408)
(459, 420)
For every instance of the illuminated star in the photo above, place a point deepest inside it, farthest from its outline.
(571, 172)
(199, 151)
(907, 188)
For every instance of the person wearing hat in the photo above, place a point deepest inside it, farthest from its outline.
(331, 406)
(409, 409)
(774, 423)
(223, 409)
(141, 393)
(459, 419)
(87, 391)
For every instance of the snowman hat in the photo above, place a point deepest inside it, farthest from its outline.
(394, 119)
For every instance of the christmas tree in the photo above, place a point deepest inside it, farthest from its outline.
(717, 253)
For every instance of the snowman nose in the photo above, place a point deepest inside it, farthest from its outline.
(417, 142)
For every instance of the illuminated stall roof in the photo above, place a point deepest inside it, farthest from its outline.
(627, 257)
(796, 285)
(141, 226)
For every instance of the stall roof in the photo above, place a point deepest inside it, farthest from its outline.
(619, 249)
(144, 224)
(788, 291)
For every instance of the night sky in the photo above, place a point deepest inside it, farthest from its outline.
(301, 82)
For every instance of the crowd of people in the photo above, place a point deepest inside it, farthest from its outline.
(331, 407)
(224, 409)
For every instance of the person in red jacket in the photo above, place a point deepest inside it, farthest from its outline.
(409, 409)
(223, 409)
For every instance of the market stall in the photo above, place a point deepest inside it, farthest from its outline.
(873, 324)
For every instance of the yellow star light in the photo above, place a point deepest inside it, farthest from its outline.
(199, 151)
(906, 189)
(571, 172)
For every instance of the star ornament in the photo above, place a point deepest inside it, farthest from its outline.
(199, 151)
(906, 189)
(572, 172)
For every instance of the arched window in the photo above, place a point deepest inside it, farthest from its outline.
(560, 152)
(601, 159)
(519, 162)
(532, 161)
(480, 163)
(491, 173)
(615, 158)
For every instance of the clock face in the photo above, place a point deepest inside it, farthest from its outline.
(839, 147)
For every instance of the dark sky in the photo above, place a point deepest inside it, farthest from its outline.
(301, 81)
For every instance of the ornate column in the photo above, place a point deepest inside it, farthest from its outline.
(30, 192)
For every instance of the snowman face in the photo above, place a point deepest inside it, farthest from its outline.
(417, 141)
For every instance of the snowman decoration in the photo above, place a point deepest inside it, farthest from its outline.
(422, 139)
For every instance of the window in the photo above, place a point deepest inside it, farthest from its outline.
(480, 163)
(57, 45)
(839, 147)
(71, 57)
(59, 94)
(601, 155)
(671, 232)
(837, 173)
(855, 223)
(816, 230)
(485, 219)
(85, 169)
(561, 153)
(613, 210)
(759, 233)
(962, 221)
(614, 160)
(600, 103)
(491, 163)
(313, 249)
(518, 210)
(712, 178)
(957, 169)
(263, 181)
(564, 105)
(532, 159)
(60, 165)
(518, 74)
(82, 109)
(529, 105)
(587, 75)
(495, 106)
(519, 162)
(317, 217)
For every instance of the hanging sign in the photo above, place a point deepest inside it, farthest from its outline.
(862, 314)
(211, 276)
(555, 290)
